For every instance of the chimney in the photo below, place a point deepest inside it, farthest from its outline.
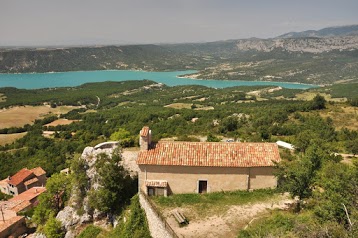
(145, 138)
(8, 178)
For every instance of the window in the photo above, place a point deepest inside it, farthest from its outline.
(156, 191)
(203, 186)
(151, 191)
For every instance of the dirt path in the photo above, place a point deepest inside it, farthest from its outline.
(228, 224)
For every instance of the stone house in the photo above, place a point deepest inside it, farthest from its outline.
(200, 167)
(23, 180)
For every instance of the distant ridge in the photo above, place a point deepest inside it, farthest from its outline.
(351, 30)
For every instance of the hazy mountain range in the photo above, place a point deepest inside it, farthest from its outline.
(351, 30)
(322, 56)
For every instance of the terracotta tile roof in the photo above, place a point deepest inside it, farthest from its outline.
(20, 176)
(9, 205)
(28, 195)
(10, 222)
(156, 183)
(31, 181)
(21, 205)
(38, 171)
(144, 131)
(211, 154)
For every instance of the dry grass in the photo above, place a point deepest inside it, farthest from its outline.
(342, 116)
(9, 138)
(60, 122)
(204, 108)
(89, 111)
(19, 116)
(180, 105)
(307, 96)
(218, 214)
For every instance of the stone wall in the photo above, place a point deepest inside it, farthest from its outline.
(184, 179)
(157, 225)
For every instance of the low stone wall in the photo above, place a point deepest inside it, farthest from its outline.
(158, 226)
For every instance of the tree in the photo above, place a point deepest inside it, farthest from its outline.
(53, 200)
(123, 136)
(116, 186)
(229, 124)
(79, 180)
(212, 138)
(352, 146)
(303, 140)
(339, 186)
(299, 179)
(52, 228)
(318, 103)
(136, 225)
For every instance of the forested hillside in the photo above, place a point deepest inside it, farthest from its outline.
(319, 124)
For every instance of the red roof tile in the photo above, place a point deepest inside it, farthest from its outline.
(10, 222)
(20, 205)
(211, 154)
(20, 176)
(38, 171)
(31, 181)
(144, 131)
(28, 195)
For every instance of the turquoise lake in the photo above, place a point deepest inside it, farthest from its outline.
(70, 79)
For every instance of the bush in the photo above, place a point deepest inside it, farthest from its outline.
(90, 231)
(53, 229)
(136, 225)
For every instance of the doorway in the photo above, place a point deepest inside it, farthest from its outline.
(203, 186)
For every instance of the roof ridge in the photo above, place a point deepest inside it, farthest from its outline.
(224, 154)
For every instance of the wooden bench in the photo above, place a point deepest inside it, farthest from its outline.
(181, 219)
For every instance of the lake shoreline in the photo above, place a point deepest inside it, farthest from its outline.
(237, 80)
(169, 78)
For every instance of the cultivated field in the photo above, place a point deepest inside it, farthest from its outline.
(61, 121)
(180, 105)
(310, 95)
(21, 115)
(9, 138)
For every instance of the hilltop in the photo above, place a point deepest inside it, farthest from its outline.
(351, 30)
(323, 57)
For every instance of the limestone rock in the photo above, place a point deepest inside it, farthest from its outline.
(70, 234)
(68, 217)
(38, 235)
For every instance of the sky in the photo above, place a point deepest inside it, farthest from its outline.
(87, 22)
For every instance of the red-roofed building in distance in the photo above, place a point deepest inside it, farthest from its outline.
(23, 180)
(11, 223)
(199, 167)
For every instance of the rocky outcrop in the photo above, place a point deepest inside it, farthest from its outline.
(69, 216)
(37, 235)
(309, 45)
